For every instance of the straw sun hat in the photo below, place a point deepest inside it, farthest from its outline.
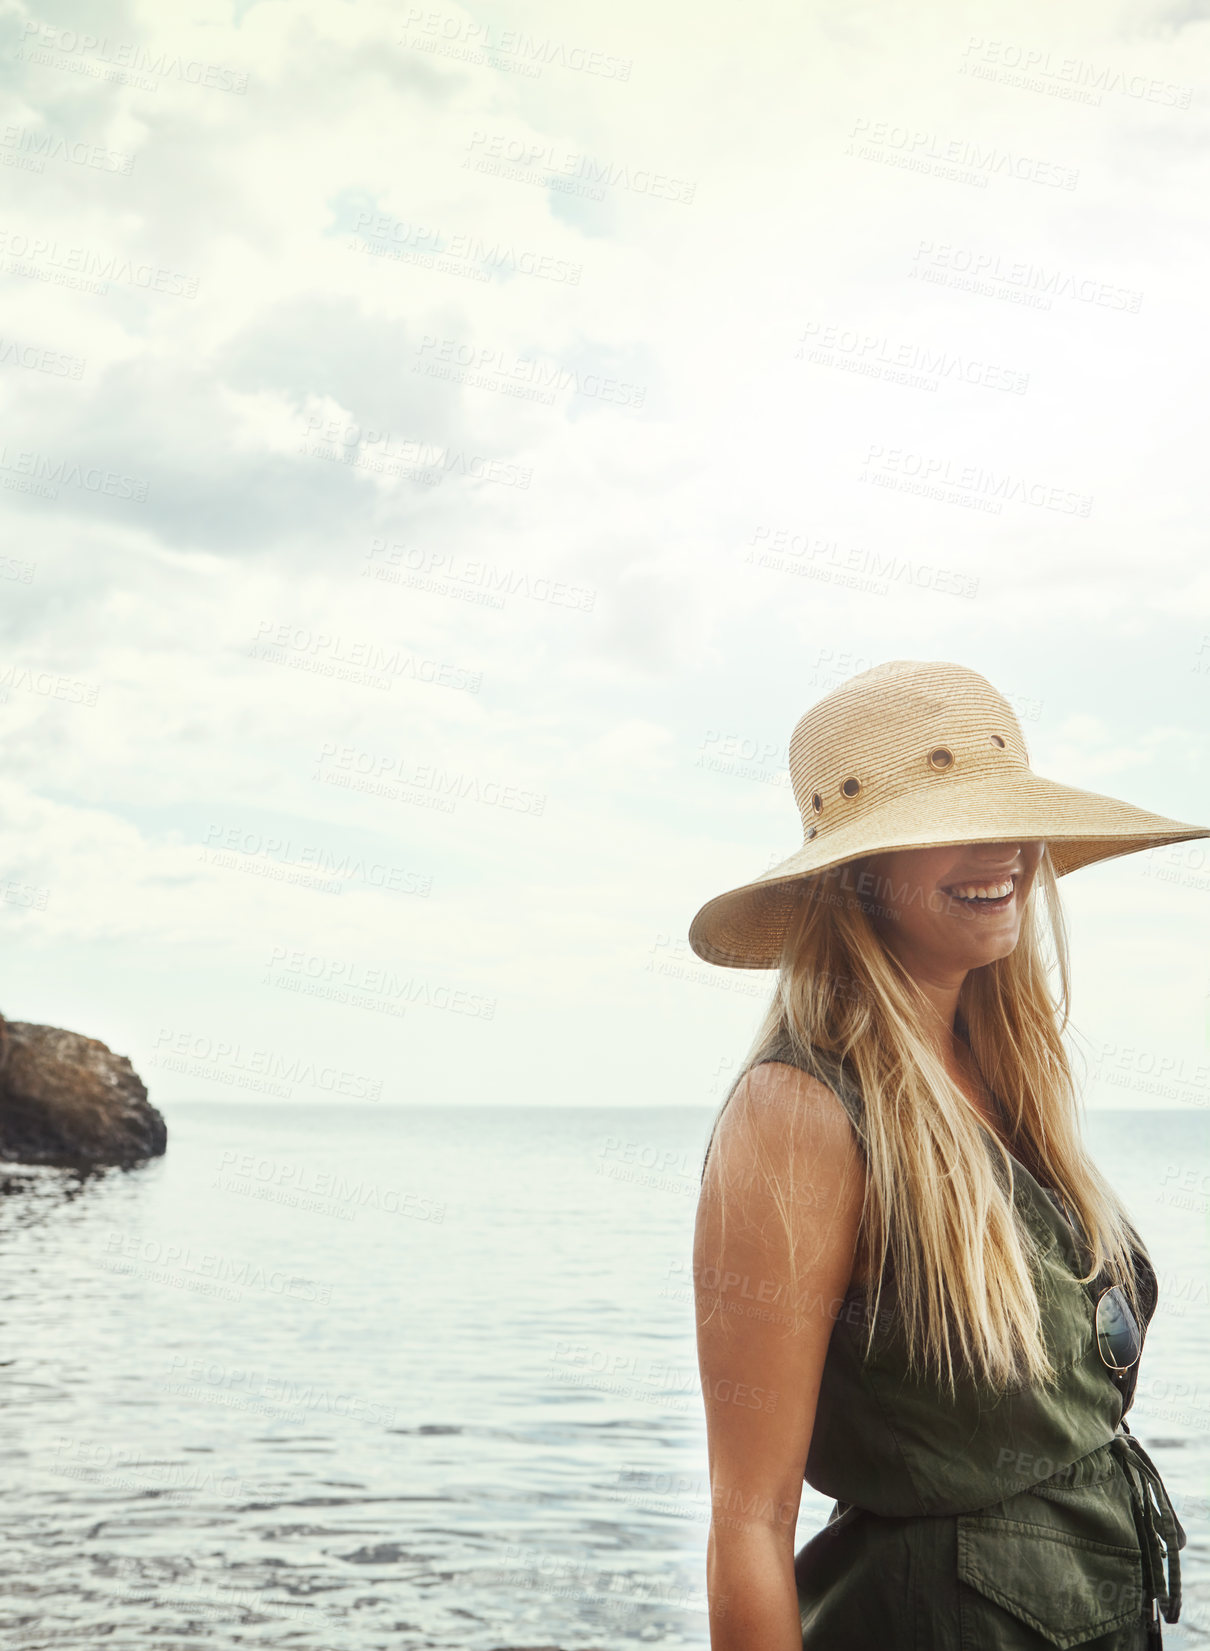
(915, 754)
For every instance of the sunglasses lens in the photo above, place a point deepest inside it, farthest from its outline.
(1117, 1331)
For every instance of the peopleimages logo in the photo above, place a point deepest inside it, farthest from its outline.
(453, 573)
(234, 846)
(529, 378)
(552, 167)
(891, 466)
(974, 160)
(228, 1061)
(983, 271)
(37, 147)
(382, 771)
(785, 550)
(47, 472)
(328, 1184)
(40, 359)
(484, 42)
(919, 366)
(93, 265)
(1072, 78)
(415, 242)
(327, 653)
(347, 974)
(41, 39)
(376, 449)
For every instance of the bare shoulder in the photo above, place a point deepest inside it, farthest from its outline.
(785, 1148)
(780, 1109)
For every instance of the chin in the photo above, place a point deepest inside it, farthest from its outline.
(990, 950)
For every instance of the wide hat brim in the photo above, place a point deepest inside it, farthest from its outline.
(745, 927)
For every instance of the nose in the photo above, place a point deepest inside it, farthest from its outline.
(1006, 863)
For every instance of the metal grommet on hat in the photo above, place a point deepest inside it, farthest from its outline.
(878, 725)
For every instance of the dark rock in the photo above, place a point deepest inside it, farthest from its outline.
(68, 1100)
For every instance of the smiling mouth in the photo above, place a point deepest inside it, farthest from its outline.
(992, 895)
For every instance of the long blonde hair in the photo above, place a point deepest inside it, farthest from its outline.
(938, 1216)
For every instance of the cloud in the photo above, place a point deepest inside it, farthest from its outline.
(427, 436)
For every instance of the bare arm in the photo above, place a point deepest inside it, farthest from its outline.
(761, 1348)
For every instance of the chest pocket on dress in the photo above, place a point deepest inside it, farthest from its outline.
(1056, 1565)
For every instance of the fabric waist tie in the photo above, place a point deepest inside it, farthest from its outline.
(1156, 1521)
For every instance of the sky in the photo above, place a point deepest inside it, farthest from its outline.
(445, 450)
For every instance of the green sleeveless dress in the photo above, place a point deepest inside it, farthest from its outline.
(996, 1521)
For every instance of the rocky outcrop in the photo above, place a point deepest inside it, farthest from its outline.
(68, 1100)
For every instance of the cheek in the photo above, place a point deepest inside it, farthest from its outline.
(927, 913)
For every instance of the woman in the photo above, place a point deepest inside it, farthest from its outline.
(910, 1276)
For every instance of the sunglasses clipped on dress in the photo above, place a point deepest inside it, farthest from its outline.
(1119, 1340)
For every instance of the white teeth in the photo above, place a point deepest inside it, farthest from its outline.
(984, 891)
